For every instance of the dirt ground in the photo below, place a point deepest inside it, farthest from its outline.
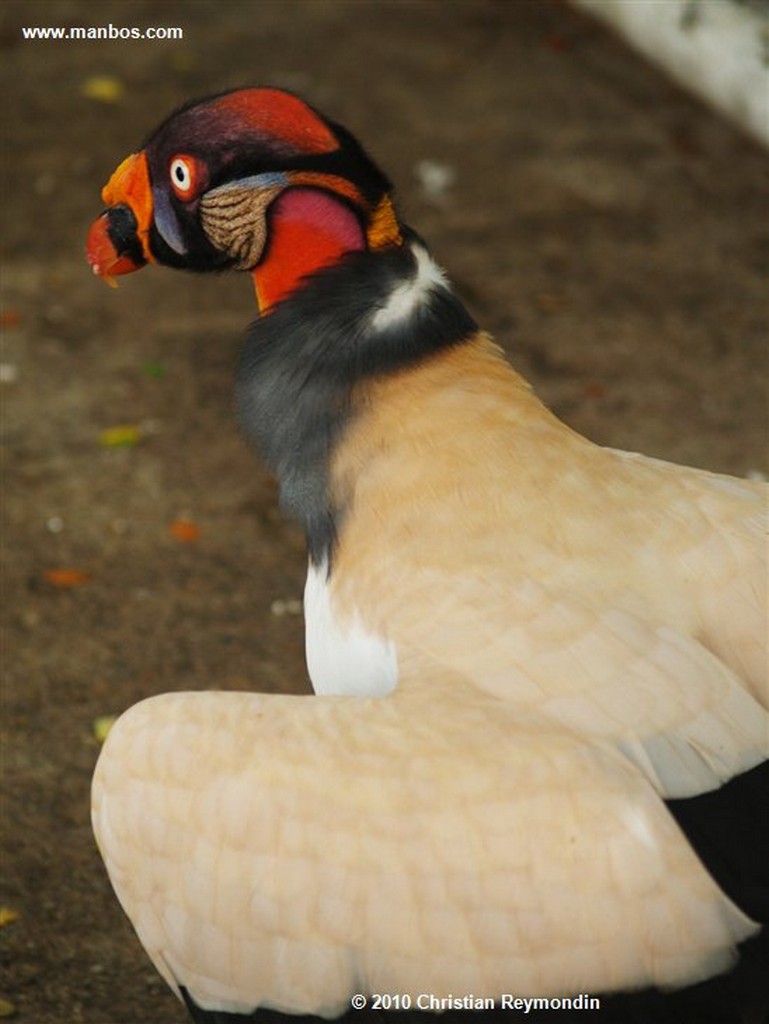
(607, 228)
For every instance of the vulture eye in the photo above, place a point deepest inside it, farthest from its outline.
(187, 176)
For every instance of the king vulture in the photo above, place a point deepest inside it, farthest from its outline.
(536, 763)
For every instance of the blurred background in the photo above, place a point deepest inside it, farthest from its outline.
(608, 228)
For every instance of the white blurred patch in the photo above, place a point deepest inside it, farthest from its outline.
(717, 50)
(435, 179)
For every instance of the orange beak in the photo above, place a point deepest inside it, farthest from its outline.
(118, 240)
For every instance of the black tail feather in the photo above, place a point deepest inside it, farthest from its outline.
(729, 830)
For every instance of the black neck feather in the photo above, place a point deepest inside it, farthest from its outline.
(303, 359)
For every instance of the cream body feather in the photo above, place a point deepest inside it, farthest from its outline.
(621, 596)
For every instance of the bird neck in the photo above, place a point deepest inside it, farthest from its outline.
(299, 379)
(310, 228)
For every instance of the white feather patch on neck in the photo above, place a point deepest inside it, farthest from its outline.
(343, 658)
(408, 295)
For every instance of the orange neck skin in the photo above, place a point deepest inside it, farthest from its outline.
(311, 229)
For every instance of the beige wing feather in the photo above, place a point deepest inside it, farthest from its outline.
(289, 851)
